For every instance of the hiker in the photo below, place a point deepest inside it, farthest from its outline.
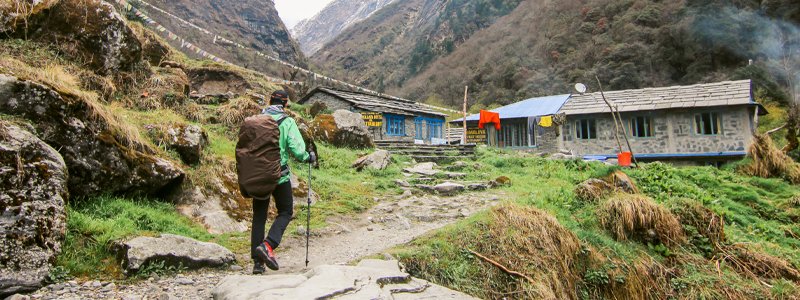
(257, 149)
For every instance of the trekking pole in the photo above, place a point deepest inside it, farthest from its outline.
(308, 215)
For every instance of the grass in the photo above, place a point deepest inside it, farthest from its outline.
(93, 226)
(756, 212)
(336, 173)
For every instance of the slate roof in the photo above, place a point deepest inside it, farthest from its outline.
(699, 95)
(534, 107)
(376, 103)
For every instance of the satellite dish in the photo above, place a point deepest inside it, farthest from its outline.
(580, 87)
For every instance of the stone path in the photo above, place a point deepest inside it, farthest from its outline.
(392, 221)
(370, 279)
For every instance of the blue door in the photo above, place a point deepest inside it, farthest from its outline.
(429, 129)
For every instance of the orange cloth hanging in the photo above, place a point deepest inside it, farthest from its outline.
(489, 117)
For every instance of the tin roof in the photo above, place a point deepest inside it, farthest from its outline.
(534, 107)
(376, 103)
(699, 95)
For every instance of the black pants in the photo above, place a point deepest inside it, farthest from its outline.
(284, 202)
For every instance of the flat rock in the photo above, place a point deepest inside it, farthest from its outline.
(449, 188)
(173, 250)
(371, 279)
(426, 169)
(378, 160)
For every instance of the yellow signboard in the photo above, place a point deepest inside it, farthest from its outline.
(476, 135)
(372, 119)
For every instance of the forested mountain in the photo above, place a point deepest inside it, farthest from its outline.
(313, 33)
(403, 38)
(508, 50)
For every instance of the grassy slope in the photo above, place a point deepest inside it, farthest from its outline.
(757, 212)
(93, 224)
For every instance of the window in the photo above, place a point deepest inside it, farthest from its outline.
(707, 124)
(435, 128)
(642, 127)
(586, 129)
(418, 122)
(395, 125)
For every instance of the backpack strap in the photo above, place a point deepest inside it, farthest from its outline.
(282, 118)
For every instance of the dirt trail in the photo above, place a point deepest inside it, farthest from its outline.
(392, 221)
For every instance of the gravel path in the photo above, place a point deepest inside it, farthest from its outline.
(393, 221)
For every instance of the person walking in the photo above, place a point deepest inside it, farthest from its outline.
(290, 143)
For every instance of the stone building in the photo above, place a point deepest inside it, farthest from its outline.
(389, 118)
(520, 126)
(702, 123)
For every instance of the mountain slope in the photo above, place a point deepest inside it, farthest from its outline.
(253, 23)
(398, 41)
(313, 33)
(543, 47)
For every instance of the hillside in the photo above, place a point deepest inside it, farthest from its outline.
(403, 38)
(543, 47)
(315, 32)
(253, 23)
(116, 182)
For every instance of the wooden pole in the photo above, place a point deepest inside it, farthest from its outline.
(625, 134)
(464, 137)
(614, 114)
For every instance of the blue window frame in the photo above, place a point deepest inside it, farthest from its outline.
(435, 127)
(395, 125)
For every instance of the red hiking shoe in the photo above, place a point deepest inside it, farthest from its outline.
(264, 252)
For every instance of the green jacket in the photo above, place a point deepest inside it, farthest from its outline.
(291, 141)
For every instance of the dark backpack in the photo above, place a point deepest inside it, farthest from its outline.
(258, 156)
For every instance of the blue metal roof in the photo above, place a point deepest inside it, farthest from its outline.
(534, 107)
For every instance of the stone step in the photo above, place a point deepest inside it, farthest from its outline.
(439, 158)
(425, 147)
(432, 152)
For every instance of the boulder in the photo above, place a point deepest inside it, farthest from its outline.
(172, 250)
(188, 140)
(102, 156)
(370, 279)
(426, 169)
(449, 188)
(378, 160)
(343, 129)
(89, 31)
(33, 191)
(217, 82)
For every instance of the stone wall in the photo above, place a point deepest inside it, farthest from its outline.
(674, 132)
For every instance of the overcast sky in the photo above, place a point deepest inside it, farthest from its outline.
(293, 11)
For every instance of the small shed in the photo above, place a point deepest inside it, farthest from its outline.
(389, 118)
(521, 125)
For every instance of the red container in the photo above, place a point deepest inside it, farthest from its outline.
(624, 159)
